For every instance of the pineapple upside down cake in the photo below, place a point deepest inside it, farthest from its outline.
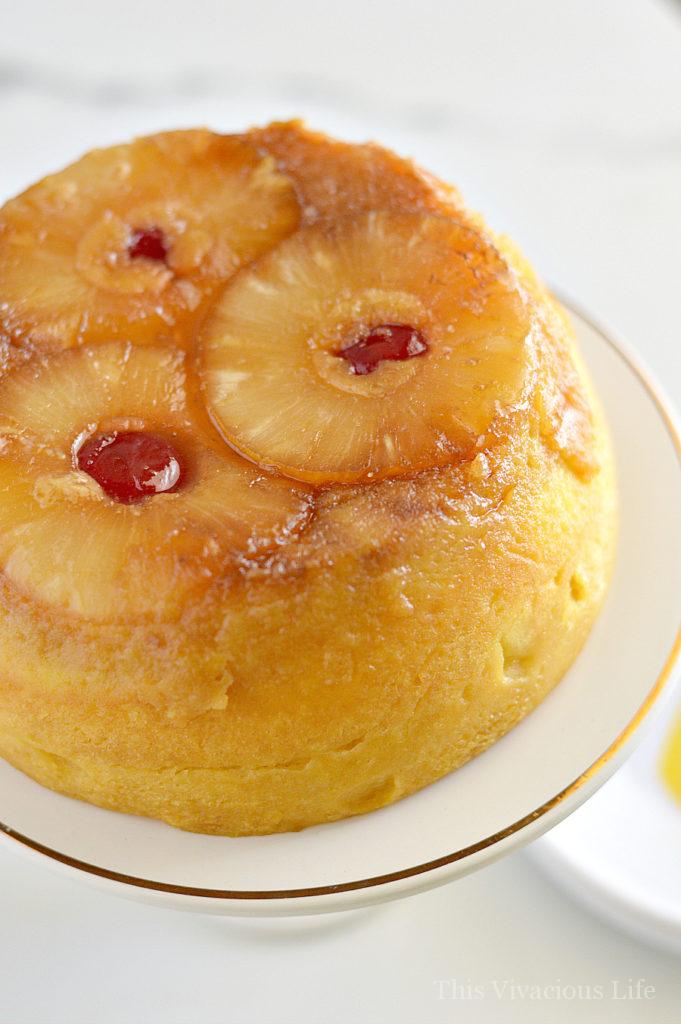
(305, 495)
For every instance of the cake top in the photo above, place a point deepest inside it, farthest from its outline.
(210, 341)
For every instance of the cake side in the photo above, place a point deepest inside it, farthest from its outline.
(457, 621)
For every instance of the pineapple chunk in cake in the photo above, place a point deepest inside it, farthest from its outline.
(130, 242)
(75, 429)
(379, 346)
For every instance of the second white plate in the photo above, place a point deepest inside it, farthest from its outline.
(620, 854)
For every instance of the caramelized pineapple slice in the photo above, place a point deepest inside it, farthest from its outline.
(130, 242)
(65, 542)
(376, 347)
(336, 179)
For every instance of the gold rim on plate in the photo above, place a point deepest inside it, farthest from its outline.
(467, 851)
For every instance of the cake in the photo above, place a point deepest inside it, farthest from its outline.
(305, 495)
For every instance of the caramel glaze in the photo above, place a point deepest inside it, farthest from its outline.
(333, 179)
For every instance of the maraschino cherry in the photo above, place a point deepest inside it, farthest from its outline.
(130, 466)
(386, 342)
(148, 243)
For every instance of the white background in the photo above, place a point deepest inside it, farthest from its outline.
(562, 121)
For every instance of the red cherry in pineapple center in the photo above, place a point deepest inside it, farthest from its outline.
(132, 465)
(392, 342)
(148, 243)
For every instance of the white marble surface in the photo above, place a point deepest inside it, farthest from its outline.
(562, 121)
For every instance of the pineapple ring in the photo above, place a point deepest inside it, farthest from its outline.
(281, 396)
(66, 273)
(115, 560)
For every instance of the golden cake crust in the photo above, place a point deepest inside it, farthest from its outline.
(403, 626)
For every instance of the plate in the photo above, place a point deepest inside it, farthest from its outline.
(523, 785)
(620, 854)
